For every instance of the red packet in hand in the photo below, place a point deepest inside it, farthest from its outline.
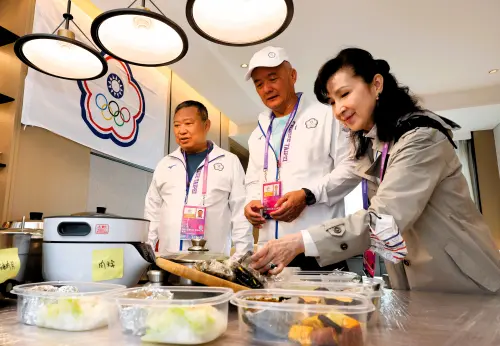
(369, 263)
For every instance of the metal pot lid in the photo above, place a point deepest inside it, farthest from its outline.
(99, 213)
(34, 222)
(15, 231)
(32, 225)
(194, 257)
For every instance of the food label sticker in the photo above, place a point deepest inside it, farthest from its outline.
(107, 264)
(9, 264)
(101, 229)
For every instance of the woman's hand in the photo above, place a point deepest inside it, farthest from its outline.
(278, 253)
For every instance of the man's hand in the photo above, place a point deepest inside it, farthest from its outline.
(290, 206)
(252, 213)
(278, 253)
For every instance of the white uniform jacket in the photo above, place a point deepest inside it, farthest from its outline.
(317, 146)
(225, 201)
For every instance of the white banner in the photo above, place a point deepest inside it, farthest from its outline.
(122, 114)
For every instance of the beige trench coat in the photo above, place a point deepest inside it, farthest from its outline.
(450, 247)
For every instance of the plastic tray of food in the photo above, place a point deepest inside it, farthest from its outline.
(173, 315)
(304, 317)
(323, 276)
(366, 289)
(64, 305)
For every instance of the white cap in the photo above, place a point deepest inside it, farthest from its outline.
(266, 57)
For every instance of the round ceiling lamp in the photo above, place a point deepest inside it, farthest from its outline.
(139, 36)
(61, 55)
(239, 22)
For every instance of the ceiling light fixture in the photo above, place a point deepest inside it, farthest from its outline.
(61, 55)
(244, 65)
(239, 22)
(139, 36)
(493, 71)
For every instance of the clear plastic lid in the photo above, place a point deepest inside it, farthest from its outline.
(182, 296)
(361, 304)
(83, 289)
(376, 283)
(332, 276)
(348, 287)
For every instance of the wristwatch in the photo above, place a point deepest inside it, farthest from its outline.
(310, 198)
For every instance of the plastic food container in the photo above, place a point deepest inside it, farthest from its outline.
(377, 283)
(75, 306)
(191, 316)
(366, 289)
(303, 317)
(322, 276)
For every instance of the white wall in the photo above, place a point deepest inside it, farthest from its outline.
(118, 187)
(496, 132)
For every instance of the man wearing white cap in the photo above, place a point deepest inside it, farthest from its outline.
(291, 181)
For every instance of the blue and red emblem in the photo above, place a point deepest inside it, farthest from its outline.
(113, 106)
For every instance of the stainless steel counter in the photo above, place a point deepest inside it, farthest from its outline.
(407, 319)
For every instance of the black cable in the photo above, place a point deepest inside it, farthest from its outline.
(67, 16)
(64, 20)
(157, 8)
(92, 43)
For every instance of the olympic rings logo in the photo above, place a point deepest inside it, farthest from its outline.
(113, 109)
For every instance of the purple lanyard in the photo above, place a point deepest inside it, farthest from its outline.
(269, 133)
(369, 258)
(364, 183)
(196, 177)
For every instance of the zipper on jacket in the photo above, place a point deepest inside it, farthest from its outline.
(189, 187)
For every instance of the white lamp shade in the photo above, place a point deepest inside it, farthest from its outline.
(239, 22)
(139, 37)
(60, 57)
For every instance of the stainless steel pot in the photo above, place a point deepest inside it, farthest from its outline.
(34, 226)
(14, 238)
(35, 222)
(196, 253)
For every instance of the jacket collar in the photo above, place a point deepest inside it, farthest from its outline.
(215, 153)
(265, 117)
(368, 166)
(448, 124)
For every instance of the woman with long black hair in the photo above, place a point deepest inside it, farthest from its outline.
(412, 185)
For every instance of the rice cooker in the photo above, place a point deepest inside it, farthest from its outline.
(96, 246)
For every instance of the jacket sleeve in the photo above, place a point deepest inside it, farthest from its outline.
(241, 234)
(334, 186)
(252, 178)
(152, 210)
(414, 170)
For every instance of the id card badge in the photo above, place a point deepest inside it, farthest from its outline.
(193, 222)
(271, 193)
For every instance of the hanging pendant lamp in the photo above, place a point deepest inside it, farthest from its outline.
(61, 55)
(139, 36)
(239, 22)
